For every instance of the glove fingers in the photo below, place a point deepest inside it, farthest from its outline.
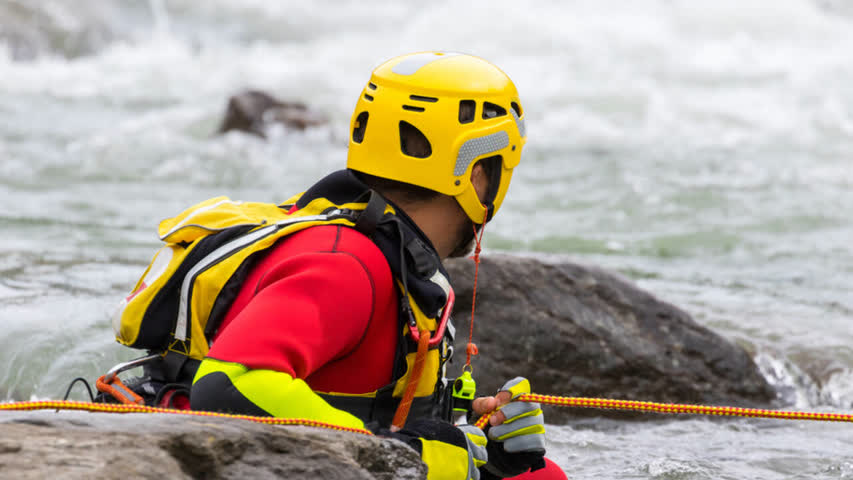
(516, 387)
(515, 410)
(477, 453)
(477, 457)
(525, 443)
(523, 426)
(473, 470)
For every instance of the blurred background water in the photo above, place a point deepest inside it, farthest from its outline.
(702, 149)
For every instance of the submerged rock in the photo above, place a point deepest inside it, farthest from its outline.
(583, 332)
(254, 111)
(68, 444)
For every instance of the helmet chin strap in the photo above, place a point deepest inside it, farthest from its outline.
(490, 211)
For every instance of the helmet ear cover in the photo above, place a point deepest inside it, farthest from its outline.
(435, 98)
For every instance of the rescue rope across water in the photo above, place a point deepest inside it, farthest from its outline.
(122, 408)
(640, 406)
(578, 402)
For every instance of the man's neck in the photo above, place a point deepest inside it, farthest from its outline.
(440, 219)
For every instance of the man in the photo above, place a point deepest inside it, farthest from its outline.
(330, 323)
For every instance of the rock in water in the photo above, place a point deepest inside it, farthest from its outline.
(582, 332)
(253, 111)
(82, 445)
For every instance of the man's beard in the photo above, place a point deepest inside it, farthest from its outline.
(465, 245)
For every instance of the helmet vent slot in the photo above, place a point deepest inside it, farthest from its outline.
(517, 108)
(490, 110)
(421, 98)
(367, 97)
(413, 142)
(413, 108)
(467, 110)
(360, 127)
(371, 86)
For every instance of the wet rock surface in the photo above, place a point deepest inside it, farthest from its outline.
(580, 331)
(82, 445)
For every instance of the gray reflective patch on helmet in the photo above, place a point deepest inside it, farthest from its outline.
(412, 64)
(522, 128)
(477, 147)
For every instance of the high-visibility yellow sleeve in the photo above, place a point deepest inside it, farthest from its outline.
(231, 387)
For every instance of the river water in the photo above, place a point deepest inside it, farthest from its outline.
(702, 149)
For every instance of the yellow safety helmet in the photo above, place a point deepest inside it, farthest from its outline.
(463, 107)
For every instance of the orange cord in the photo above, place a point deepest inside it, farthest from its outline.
(402, 412)
(471, 348)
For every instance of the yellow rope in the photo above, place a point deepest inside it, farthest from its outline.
(606, 403)
(119, 408)
(581, 402)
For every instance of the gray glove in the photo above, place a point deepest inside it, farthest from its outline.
(518, 444)
(477, 455)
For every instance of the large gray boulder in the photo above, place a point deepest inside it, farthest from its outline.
(82, 445)
(583, 332)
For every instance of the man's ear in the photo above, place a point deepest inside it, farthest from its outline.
(480, 181)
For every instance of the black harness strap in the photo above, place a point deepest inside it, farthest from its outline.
(379, 411)
(369, 218)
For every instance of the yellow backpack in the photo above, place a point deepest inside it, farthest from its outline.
(192, 280)
(177, 306)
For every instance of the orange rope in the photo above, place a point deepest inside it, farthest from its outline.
(412, 384)
(131, 408)
(606, 403)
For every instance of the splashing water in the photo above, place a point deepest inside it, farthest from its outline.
(701, 149)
